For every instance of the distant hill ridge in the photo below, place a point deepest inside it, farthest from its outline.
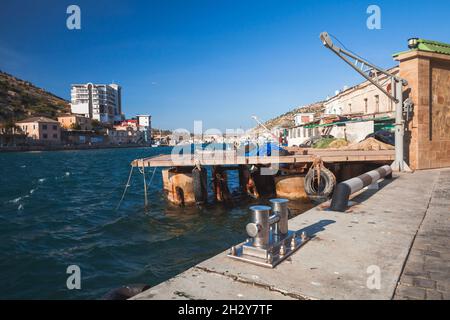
(20, 99)
(287, 119)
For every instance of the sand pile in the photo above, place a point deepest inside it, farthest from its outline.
(369, 144)
(338, 143)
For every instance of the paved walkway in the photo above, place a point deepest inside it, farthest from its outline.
(427, 270)
(339, 262)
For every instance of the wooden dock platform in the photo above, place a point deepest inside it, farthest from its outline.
(232, 158)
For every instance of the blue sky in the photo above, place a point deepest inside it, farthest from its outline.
(220, 61)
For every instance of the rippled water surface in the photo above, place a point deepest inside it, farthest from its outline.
(58, 209)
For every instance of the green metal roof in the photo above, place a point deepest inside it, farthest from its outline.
(341, 123)
(429, 46)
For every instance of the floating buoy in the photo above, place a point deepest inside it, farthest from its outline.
(178, 186)
(291, 187)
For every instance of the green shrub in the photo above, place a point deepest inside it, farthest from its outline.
(323, 143)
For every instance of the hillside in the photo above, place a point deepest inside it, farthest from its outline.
(20, 99)
(287, 119)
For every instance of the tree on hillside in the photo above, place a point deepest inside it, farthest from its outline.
(96, 124)
(75, 126)
(9, 133)
(11, 128)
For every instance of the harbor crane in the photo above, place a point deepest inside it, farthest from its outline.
(372, 74)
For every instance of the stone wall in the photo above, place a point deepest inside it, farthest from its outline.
(428, 136)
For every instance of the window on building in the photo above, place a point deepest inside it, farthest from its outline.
(366, 107)
(55, 127)
(44, 127)
(45, 136)
(55, 136)
(349, 108)
(377, 103)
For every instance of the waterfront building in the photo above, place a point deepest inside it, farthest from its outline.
(132, 123)
(102, 102)
(179, 136)
(361, 102)
(75, 122)
(124, 135)
(141, 123)
(145, 126)
(77, 137)
(300, 134)
(363, 99)
(41, 129)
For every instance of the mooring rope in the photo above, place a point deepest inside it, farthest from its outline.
(145, 186)
(151, 179)
(126, 188)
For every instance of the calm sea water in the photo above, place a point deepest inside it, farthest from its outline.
(58, 209)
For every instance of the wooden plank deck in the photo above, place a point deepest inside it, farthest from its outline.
(231, 158)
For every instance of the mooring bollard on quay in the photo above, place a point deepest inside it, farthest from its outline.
(345, 189)
(270, 241)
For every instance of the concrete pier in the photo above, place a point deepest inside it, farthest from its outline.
(394, 243)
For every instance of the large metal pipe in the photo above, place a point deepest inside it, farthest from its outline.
(343, 190)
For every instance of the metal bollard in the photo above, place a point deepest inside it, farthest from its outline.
(259, 228)
(270, 240)
(280, 208)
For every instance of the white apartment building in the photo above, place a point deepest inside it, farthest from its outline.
(145, 125)
(102, 102)
(299, 135)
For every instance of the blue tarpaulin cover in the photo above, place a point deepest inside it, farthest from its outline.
(263, 150)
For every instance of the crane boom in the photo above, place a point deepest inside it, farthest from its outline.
(263, 125)
(371, 73)
(363, 67)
